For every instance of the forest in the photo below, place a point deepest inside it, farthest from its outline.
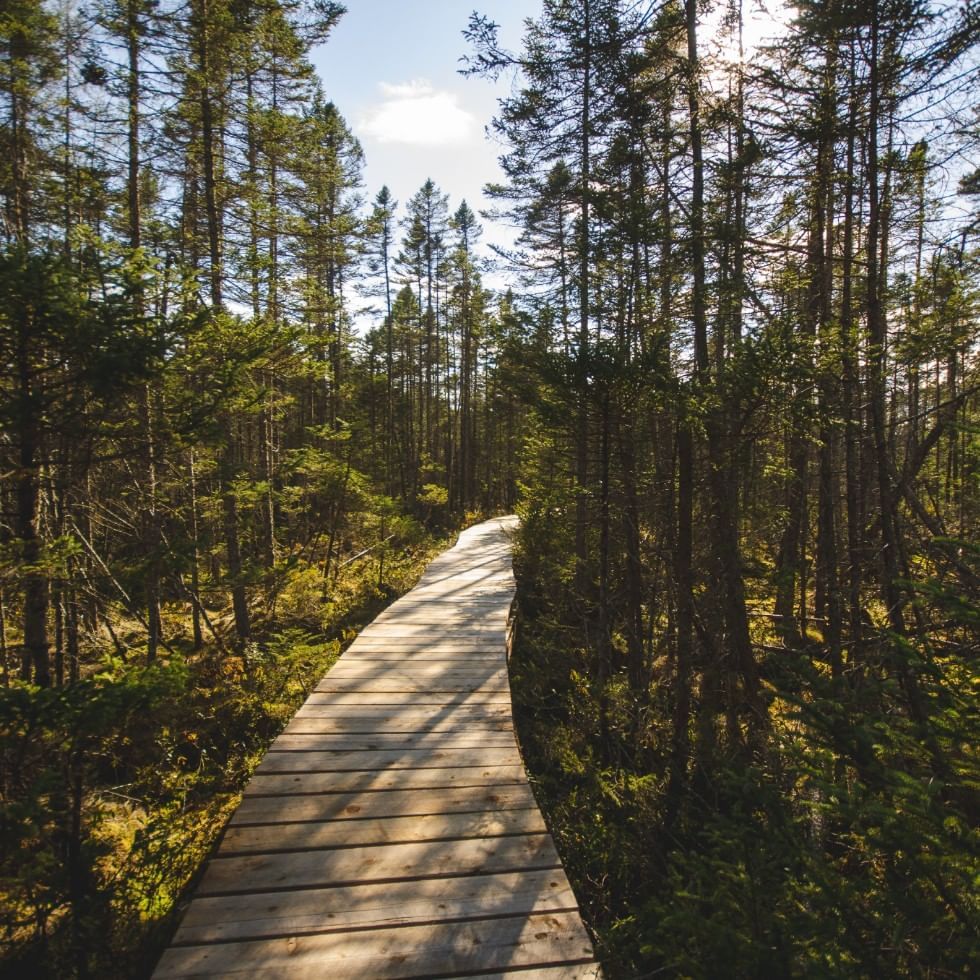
(732, 389)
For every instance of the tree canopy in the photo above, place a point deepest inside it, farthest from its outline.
(731, 387)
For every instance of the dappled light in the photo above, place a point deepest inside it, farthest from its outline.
(688, 289)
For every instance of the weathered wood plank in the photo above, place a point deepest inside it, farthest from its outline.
(411, 801)
(437, 608)
(462, 666)
(270, 838)
(320, 910)
(430, 611)
(442, 698)
(460, 588)
(444, 715)
(408, 658)
(472, 712)
(306, 742)
(450, 624)
(372, 782)
(459, 643)
(435, 645)
(408, 722)
(478, 625)
(448, 685)
(490, 675)
(389, 862)
(401, 699)
(410, 631)
(503, 599)
(324, 725)
(341, 760)
(489, 670)
(442, 719)
(388, 954)
(404, 687)
(488, 638)
(376, 674)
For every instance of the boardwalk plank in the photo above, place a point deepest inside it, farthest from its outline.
(340, 760)
(460, 660)
(491, 670)
(389, 954)
(471, 698)
(446, 722)
(391, 685)
(305, 742)
(390, 831)
(427, 672)
(444, 716)
(317, 807)
(428, 612)
(456, 706)
(473, 632)
(316, 910)
(479, 650)
(372, 782)
(435, 641)
(389, 862)
(386, 829)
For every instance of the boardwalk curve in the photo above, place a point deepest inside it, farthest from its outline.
(390, 831)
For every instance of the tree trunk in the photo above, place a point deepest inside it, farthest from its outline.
(4, 650)
(226, 468)
(195, 558)
(229, 509)
(727, 552)
(851, 395)
(683, 648)
(585, 259)
(634, 563)
(36, 585)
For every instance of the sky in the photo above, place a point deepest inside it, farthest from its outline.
(391, 68)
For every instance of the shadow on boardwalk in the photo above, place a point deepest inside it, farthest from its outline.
(390, 831)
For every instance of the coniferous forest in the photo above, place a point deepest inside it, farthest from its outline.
(732, 389)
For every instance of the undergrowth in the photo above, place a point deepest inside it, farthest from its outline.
(838, 851)
(114, 789)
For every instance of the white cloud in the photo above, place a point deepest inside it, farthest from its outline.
(416, 113)
(417, 88)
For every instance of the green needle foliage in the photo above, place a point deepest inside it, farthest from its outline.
(732, 388)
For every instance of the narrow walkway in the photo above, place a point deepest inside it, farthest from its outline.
(390, 832)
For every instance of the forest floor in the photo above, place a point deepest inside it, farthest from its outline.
(117, 787)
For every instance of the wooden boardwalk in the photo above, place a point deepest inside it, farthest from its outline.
(390, 831)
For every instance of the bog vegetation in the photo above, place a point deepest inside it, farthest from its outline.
(733, 392)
